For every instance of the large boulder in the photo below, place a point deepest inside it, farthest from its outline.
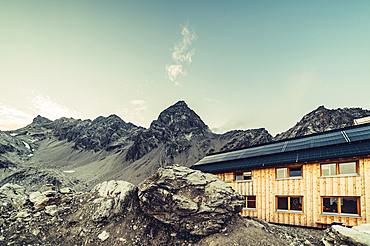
(189, 200)
(340, 235)
(114, 198)
(13, 194)
(46, 196)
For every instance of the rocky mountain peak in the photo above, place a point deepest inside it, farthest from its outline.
(40, 120)
(179, 118)
(323, 119)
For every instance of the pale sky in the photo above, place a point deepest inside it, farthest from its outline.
(237, 64)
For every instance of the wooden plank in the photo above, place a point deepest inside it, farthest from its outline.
(352, 222)
(286, 187)
(251, 187)
(362, 192)
(316, 194)
(263, 194)
(296, 220)
(285, 218)
(336, 189)
(329, 186)
(358, 183)
(342, 187)
(297, 187)
(367, 191)
(350, 186)
(291, 219)
(268, 192)
(308, 199)
(272, 195)
(259, 194)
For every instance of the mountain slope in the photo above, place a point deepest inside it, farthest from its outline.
(109, 148)
(323, 119)
(84, 153)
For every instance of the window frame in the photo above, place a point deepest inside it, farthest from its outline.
(337, 172)
(255, 203)
(339, 207)
(289, 210)
(288, 173)
(241, 173)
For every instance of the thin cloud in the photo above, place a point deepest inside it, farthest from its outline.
(12, 118)
(209, 100)
(181, 55)
(175, 71)
(49, 108)
(133, 113)
(137, 102)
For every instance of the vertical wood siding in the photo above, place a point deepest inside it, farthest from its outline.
(311, 187)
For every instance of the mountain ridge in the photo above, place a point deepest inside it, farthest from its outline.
(86, 152)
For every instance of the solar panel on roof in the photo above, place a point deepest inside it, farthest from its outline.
(360, 134)
(272, 148)
(330, 152)
(296, 144)
(328, 139)
(233, 155)
(212, 158)
(251, 152)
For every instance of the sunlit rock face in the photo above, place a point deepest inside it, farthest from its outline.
(189, 200)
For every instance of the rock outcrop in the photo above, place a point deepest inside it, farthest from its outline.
(111, 214)
(339, 235)
(13, 151)
(13, 194)
(189, 200)
(114, 198)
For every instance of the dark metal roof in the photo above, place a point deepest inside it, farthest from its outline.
(341, 143)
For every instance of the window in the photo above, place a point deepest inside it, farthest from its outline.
(328, 169)
(295, 172)
(290, 203)
(247, 176)
(240, 176)
(251, 201)
(341, 205)
(281, 173)
(288, 172)
(283, 203)
(333, 169)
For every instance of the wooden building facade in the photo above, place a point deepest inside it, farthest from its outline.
(318, 180)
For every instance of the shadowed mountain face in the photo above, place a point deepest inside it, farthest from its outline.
(109, 148)
(84, 153)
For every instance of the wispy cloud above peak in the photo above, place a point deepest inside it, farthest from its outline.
(137, 102)
(181, 51)
(209, 100)
(174, 71)
(12, 118)
(49, 108)
(182, 54)
(134, 112)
